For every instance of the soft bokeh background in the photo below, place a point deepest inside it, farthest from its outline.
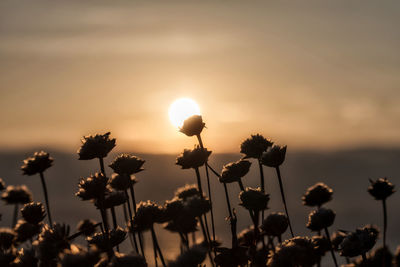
(321, 77)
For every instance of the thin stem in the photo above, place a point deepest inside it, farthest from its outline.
(153, 234)
(133, 198)
(124, 208)
(72, 237)
(384, 222)
(241, 185)
(227, 200)
(46, 198)
(102, 166)
(206, 239)
(114, 219)
(278, 172)
(364, 257)
(15, 217)
(130, 223)
(262, 182)
(330, 245)
(199, 182)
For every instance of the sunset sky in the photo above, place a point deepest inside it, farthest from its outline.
(310, 74)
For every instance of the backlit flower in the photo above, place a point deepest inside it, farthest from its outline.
(7, 236)
(317, 195)
(320, 219)
(254, 199)
(359, 242)
(254, 146)
(192, 125)
(193, 257)
(26, 230)
(111, 199)
(92, 187)
(193, 158)
(147, 214)
(187, 191)
(37, 164)
(125, 260)
(274, 156)
(127, 164)
(337, 238)
(197, 206)
(77, 256)
(275, 224)
(321, 244)
(18, 194)
(234, 171)
(87, 226)
(104, 241)
(33, 212)
(381, 188)
(96, 146)
(52, 241)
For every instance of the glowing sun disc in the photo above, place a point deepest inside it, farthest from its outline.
(181, 109)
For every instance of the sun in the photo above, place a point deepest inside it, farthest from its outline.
(181, 109)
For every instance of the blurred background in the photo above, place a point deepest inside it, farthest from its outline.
(321, 77)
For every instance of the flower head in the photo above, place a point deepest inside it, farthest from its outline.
(52, 241)
(359, 242)
(111, 199)
(381, 188)
(87, 226)
(104, 241)
(197, 206)
(234, 171)
(147, 214)
(37, 164)
(96, 146)
(125, 260)
(246, 237)
(193, 158)
(18, 194)
(127, 164)
(254, 146)
(184, 223)
(321, 244)
(192, 125)
(7, 236)
(320, 219)
(275, 224)
(26, 230)
(187, 191)
(25, 258)
(192, 257)
(122, 182)
(274, 156)
(33, 212)
(93, 187)
(77, 256)
(317, 195)
(337, 238)
(254, 199)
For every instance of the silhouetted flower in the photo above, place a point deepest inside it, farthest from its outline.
(381, 188)
(246, 237)
(184, 223)
(92, 187)
(193, 257)
(96, 146)
(337, 238)
(105, 241)
(359, 242)
(254, 199)
(111, 199)
(321, 244)
(274, 156)
(25, 258)
(193, 158)
(379, 257)
(317, 195)
(18, 194)
(234, 171)
(33, 212)
(254, 146)
(173, 208)
(26, 230)
(192, 125)
(121, 181)
(320, 219)
(2, 185)
(37, 164)
(52, 241)
(127, 260)
(87, 227)
(297, 251)
(229, 257)
(187, 191)
(7, 236)
(127, 164)
(7, 256)
(147, 214)
(80, 257)
(275, 224)
(197, 206)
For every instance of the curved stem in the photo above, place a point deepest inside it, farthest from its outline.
(46, 198)
(15, 216)
(278, 172)
(331, 247)
(157, 246)
(227, 200)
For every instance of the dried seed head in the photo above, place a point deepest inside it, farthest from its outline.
(147, 214)
(320, 219)
(7, 237)
(274, 156)
(194, 256)
(254, 199)
(194, 158)
(93, 187)
(127, 164)
(187, 191)
(121, 181)
(96, 146)
(26, 230)
(37, 164)
(254, 146)
(234, 171)
(18, 194)
(126, 260)
(87, 226)
(275, 224)
(317, 195)
(193, 125)
(359, 242)
(381, 188)
(33, 212)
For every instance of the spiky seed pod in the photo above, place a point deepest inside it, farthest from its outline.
(320, 219)
(381, 188)
(254, 146)
(111, 199)
(359, 242)
(254, 199)
(127, 164)
(337, 238)
(197, 206)
(96, 146)
(274, 156)
(236, 256)
(93, 187)
(275, 224)
(127, 260)
(7, 237)
(51, 241)
(121, 181)
(234, 171)
(26, 230)
(87, 226)
(26, 258)
(187, 191)
(193, 257)
(193, 125)
(297, 251)
(246, 237)
(147, 214)
(317, 195)
(77, 256)
(321, 244)
(37, 164)
(18, 194)
(33, 212)
(2, 185)
(104, 242)
(193, 158)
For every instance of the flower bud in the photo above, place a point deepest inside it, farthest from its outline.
(254, 146)
(192, 125)
(381, 188)
(96, 146)
(127, 164)
(317, 195)
(274, 156)
(37, 164)
(33, 212)
(254, 199)
(234, 171)
(193, 158)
